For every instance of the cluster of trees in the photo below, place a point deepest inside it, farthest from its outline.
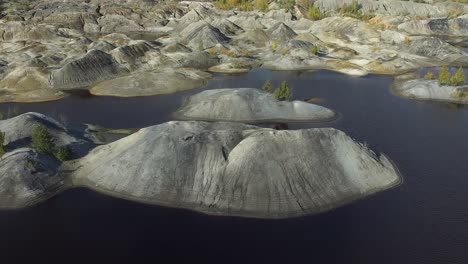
(282, 93)
(445, 78)
(43, 142)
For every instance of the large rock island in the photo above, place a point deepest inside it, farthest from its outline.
(216, 168)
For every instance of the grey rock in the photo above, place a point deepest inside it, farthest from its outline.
(27, 177)
(281, 32)
(234, 169)
(204, 37)
(95, 66)
(248, 105)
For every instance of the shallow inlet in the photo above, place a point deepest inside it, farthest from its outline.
(423, 221)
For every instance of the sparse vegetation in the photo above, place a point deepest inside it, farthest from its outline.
(354, 10)
(241, 5)
(287, 4)
(274, 46)
(407, 40)
(63, 153)
(42, 140)
(283, 92)
(315, 49)
(261, 5)
(429, 76)
(2, 142)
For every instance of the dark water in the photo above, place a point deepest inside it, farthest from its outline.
(424, 221)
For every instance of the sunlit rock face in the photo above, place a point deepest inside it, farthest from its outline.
(235, 169)
(249, 105)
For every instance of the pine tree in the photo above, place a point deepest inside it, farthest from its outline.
(42, 140)
(283, 93)
(444, 76)
(267, 87)
(459, 78)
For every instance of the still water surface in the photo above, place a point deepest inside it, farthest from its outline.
(424, 221)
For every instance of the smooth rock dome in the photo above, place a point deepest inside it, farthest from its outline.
(235, 169)
(249, 105)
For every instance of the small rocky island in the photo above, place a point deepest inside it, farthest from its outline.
(216, 168)
(447, 89)
(249, 105)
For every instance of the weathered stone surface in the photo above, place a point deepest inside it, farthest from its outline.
(234, 169)
(204, 37)
(248, 105)
(281, 32)
(95, 66)
(443, 26)
(27, 177)
(152, 83)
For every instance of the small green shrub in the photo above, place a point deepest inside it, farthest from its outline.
(458, 78)
(42, 140)
(267, 87)
(315, 49)
(261, 5)
(429, 76)
(314, 13)
(63, 153)
(444, 76)
(287, 4)
(354, 10)
(274, 46)
(2, 142)
(283, 92)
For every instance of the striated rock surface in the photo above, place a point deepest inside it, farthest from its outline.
(95, 66)
(248, 105)
(27, 177)
(217, 168)
(234, 169)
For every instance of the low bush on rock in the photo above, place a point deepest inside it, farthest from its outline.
(354, 9)
(261, 5)
(241, 5)
(444, 76)
(2, 142)
(63, 153)
(314, 13)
